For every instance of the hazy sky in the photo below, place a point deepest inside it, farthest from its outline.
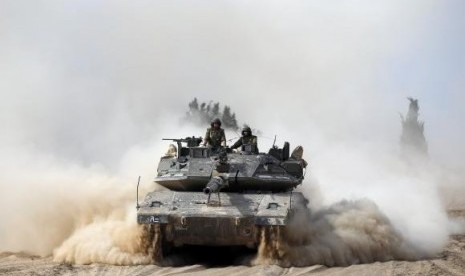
(85, 80)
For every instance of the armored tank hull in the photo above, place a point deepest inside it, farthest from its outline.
(221, 199)
(231, 219)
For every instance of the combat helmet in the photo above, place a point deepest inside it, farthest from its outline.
(246, 129)
(216, 121)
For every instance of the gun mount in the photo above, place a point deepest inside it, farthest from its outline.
(190, 141)
(214, 186)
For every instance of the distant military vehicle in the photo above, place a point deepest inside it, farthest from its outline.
(221, 198)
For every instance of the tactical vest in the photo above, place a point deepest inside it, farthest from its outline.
(215, 136)
(249, 140)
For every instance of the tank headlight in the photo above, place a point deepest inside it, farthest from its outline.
(155, 204)
(273, 206)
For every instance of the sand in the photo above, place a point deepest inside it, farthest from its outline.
(451, 261)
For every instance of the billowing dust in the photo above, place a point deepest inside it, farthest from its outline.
(92, 219)
(345, 233)
(102, 228)
(106, 232)
(78, 215)
(112, 240)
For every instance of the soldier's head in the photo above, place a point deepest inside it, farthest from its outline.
(246, 131)
(216, 123)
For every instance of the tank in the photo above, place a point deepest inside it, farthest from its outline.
(217, 197)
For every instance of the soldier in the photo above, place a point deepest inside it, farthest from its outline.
(215, 136)
(297, 154)
(171, 152)
(246, 139)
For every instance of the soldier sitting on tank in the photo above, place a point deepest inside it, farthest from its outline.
(215, 137)
(297, 154)
(246, 140)
(171, 152)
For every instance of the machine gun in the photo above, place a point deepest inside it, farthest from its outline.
(191, 142)
(215, 185)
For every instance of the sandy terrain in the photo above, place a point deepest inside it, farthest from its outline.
(450, 262)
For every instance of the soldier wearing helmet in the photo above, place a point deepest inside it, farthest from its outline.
(246, 139)
(215, 136)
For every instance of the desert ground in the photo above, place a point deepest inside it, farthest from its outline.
(451, 261)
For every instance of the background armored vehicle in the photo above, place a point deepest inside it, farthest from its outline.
(221, 198)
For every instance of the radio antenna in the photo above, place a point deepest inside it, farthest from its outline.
(137, 196)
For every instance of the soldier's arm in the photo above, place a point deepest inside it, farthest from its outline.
(237, 144)
(223, 138)
(207, 138)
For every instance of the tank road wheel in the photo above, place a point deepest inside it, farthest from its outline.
(272, 244)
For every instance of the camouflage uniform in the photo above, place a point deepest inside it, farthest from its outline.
(246, 139)
(215, 136)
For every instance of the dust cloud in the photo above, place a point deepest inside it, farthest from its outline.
(106, 240)
(346, 233)
(88, 90)
(78, 215)
(391, 211)
(369, 209)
